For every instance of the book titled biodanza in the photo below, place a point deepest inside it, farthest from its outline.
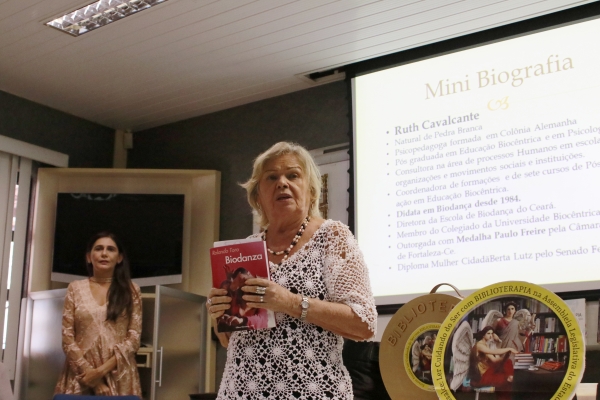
(234, 261)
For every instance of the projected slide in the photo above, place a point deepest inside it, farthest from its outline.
(482, 166)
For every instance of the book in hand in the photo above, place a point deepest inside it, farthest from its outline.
(232, 262)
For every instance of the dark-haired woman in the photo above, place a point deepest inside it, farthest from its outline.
(490, 364)
(102, 321)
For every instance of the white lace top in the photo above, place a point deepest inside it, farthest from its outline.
(299, 360)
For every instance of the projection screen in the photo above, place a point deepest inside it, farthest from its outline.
(482, 165)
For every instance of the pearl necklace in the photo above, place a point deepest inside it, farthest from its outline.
(295, 240)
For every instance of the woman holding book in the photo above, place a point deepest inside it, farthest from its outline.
(102, 323)
(319, 290)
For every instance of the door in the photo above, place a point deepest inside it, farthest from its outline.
(178, 364)
(42, 358)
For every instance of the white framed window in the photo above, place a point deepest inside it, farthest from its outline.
(18, 161)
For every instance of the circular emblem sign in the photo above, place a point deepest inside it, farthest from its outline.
(407, 344)
(512, 339)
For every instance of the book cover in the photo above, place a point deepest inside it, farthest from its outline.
(561, 344)
(232, 263)
(549, 325)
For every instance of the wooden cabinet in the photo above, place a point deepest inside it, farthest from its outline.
(179, 329)
(201, 189)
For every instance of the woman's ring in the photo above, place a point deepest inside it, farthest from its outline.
(262, 299)
(209, 302)
(261, 290)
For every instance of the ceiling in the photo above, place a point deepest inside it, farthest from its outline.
(185, 58)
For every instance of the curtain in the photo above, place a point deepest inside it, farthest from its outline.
(15, 186)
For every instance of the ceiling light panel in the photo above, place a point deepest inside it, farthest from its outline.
(98, 14)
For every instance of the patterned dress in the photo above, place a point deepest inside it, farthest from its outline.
(89, 341)
(299, 360)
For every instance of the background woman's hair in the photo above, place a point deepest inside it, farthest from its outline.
(119, 296)
(309, 167)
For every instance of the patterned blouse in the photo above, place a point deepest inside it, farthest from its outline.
(89, 341)
(296, 359)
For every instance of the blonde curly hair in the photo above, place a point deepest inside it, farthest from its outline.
(308, 165)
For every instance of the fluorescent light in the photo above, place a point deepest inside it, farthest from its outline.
(99, 13)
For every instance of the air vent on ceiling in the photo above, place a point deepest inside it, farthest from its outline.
(320, 77)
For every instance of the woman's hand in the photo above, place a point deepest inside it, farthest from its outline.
(508, 350)
(335, 317)
(263, 293)
(217, 302)
(101, 390)
(91, 377)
